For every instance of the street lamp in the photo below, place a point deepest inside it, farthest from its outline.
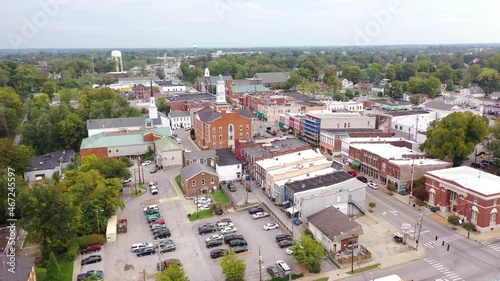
(98, 225)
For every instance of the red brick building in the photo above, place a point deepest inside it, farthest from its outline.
(142, 92)
(471, 194)
(198, 179)
(185, 101)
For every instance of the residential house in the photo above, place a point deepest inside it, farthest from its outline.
(206, 157)
(180, 119)
(364, 86)
(275, 80)
(334, 230)
(22, 270)
(471, 194)
(171, 86)
(494, 96)
(378, 89)
(228, 167)
(345, 83)
(198, 179)
(45, 166)
(168, 153)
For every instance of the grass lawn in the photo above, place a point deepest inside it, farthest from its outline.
(322, 279)
(66, 268)
(219, 196)
(201, 215)
(370, 267)
(178, 181)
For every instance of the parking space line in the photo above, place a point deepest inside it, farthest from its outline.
(169, 199)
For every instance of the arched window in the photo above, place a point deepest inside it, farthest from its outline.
(231, 128)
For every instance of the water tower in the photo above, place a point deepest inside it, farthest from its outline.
(117, 57)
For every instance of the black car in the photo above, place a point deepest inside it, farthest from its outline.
(477, 165)
(237, 242)
(218, 211)
(255, 210)
(224, 220)
(162, 234)
(154, 170)
(231, 187)
(362, 179)
(91, 259)
(283, 237)
(153, 219)
(274, 271)
(207, 229)
(240, 249)
(230, 237)
(81, 277)
(285, 243)
(214, 243)
(159, 229)
(206, 224)
(146, 251)
(217, 253)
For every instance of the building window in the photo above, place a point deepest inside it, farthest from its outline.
(473, 217)
(215, 138)
(213, 130)
(203, 182)
(248, 127)
(246, 135)
(193, 183)
(220, 144)
(230, 137)
(493, 218)
(100, 152)
(241, 135)
(109, 151)
(220, 137)
(230, 128)
(241, 127)
(475, 201)
(173, 158)
(212, 181)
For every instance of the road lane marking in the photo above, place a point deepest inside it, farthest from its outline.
(447, 239)
(394, 212)
(169, 199)
(491, 246)
(442, 269)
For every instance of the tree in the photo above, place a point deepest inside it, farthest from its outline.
(160, 73)
(49, 88)
(233, 268)
(14, 156)
(492, 143)
(174, 272)
(489, 79)
(372, 205)
(455, 136)
(430, 85)
(395, 90)
(494, 61)
(107, 167)
(11, 111)
(420, 193)
(454, 220)
(72, 130)
(49, 214)
(54, 272)
(308, 252)
(415, 99)
(163, 105)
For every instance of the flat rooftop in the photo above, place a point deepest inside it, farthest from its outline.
(319, 181)
(419, 162)
(274, 145)
(471, 179)
(352, 130)
(306, 176)
(375, 139)
(329, 114)
(290, 158)
(303, 165)
(384, 149)
(189, 96)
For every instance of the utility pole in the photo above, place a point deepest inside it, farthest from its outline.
(352, 254)
(412, 178)
(260, 266)
(470, 221)
(475, 156)
(419, 229)
(144, 274)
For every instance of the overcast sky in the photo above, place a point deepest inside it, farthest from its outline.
(244, 23)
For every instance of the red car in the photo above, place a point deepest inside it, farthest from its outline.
(91, 249)
(160, 221)
(352, 173)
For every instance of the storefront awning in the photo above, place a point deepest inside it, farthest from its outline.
(292, 210)
(356, 163)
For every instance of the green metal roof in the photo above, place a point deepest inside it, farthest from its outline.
(250, 88)
(100, 140)
(166, 132)
(167, 144)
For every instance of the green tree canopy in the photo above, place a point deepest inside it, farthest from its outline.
(14, 156)
(54, 272)
(49, 88)
(233, 268)
(11, 111)
(107, 167)
(308, 252)
(455, 136)
(174, 272)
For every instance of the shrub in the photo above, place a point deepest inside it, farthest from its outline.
(470, 226)
(454, 219)
(72, 252)
(404, 193)
(391, 187)
(315, 268)
(308, 232)
(92, 239)
(420, 193)
(372, 205)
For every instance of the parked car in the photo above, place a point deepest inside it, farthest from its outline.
(284, 267)
(362, 179)
(205, 224)
(231, 187)
(214, 243)
(476, 165)
(162, 234)
(289, 251)
(207, 229)
(240, 249)
(222, 225)
(489, 162)
(81, 277)
(163, 243)
(125, 180)
(260, 215)
(352, 173)
(154, 170)
(147, 162)
(274, 271)
(151, 215)
(154, 219)
(91, 259)
(237, 242)
(217, 253)
(167, 248)
(227, 230)
(372, 185)
(230, 237)
(218, 211)
(154, 190)
(159, 220)
(255, 210)
(214, 237)
(283, 237)
(91, 249)
(146, 251)
(166, 263)
(96, 273)
(285, 243)
(224, 220)
(271, 225)
(156, 225)
(154, 208)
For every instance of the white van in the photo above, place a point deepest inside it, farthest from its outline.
(284, 267)
(140, 246)
(151, 208)
(178, 140)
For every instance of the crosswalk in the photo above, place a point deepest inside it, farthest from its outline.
(450, 275)
(439, 242)
(491, 245)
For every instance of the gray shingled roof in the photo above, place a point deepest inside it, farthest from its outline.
(212, 80)
(245, 112)
(121, 122)
(273, 77)
(23, 269)
(195, 168)
(51, 160)
(226, 158)
(178, 113)
(333, 223)
(438, 105)
(199, 154)
(208, 114)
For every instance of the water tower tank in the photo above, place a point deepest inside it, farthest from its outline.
(116, 54)
(117, 57)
